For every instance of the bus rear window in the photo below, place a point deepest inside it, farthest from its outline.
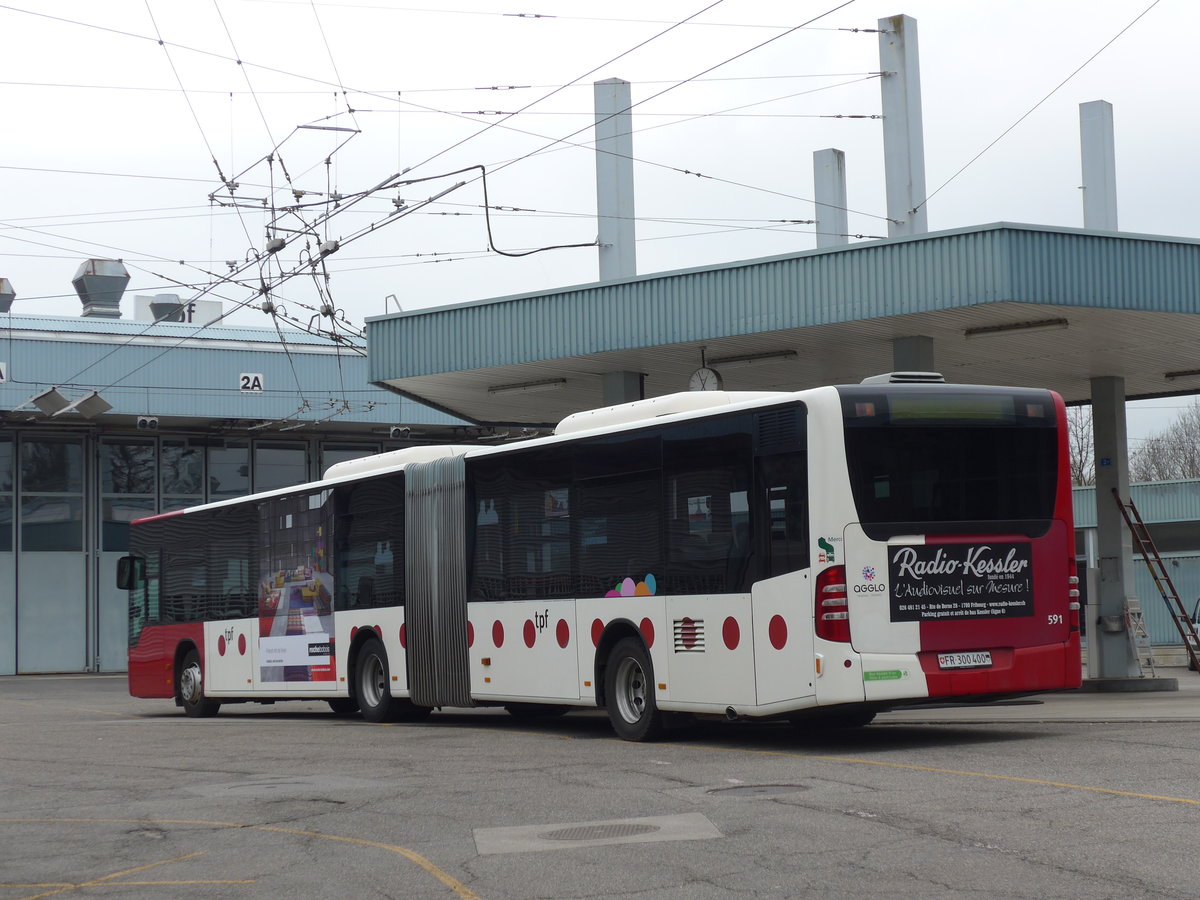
(951, 460)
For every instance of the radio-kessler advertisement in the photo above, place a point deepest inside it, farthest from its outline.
(940, 582)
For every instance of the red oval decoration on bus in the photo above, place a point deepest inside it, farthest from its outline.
(563, 633)
(470, 635)
(377, 630)
(498, 633)
(777, 631)
(241, 645)
(353, 632)
(530, 633)
(403, 637)
(647, 629)
(597, 630)
(221, 645)
(731, 633)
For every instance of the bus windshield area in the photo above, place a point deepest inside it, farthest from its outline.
(939, 460)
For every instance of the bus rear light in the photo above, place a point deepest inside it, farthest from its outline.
(832, 615)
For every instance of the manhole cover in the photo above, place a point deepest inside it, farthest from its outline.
(759, 790)
(597, 832)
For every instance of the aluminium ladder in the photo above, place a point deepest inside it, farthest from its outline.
(1144, 544)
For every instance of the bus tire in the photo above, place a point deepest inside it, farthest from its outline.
(191, 688)
(372, 688)
(629, 692)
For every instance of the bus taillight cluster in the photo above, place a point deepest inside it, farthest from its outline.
(833, 618)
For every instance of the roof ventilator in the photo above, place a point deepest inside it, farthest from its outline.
(906, 378)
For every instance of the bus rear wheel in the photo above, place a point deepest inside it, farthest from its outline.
(629, 692)
(191, 688)
(373, 691)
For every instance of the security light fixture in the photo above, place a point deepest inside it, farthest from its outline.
(1009, 327)
(528, 387)
(89, 405)
(50, 401)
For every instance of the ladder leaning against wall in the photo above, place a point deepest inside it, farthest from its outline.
(1144, 545)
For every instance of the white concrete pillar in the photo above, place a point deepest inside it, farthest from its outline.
(913, 354)
(1108, 640)
(623, 387)
(614, 179)
(1098, 157)
(829, 182)
(903, 135)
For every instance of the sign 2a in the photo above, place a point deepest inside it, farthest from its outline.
(250, 382)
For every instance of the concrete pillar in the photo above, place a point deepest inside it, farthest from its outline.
(903, 135)
(913, 354)
(614, 179)
(1108, 641)
(829, 181)
(1098, 156)
(623, 387)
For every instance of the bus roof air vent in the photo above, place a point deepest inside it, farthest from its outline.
(906, 378)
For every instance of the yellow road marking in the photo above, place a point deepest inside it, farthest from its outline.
(444, 877)
(938, 771)
(99, 882)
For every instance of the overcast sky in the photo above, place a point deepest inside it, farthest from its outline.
(110, 137)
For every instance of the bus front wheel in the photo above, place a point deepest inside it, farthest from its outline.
(373, 691)
(629, 692)
(191, 688)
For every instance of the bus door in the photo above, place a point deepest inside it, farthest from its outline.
(781, 598)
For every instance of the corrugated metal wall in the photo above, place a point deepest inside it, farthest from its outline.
(925, 273)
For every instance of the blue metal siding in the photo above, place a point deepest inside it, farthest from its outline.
(924, 273)
(1159, 501)
(198, 378)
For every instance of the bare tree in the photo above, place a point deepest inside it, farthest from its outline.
(1080, 445)
(1171, 453)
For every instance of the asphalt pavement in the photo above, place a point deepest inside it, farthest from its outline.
(1155, 699)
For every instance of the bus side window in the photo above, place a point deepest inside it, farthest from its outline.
(783, 513)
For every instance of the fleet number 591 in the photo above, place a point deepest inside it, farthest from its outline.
(1054, 619)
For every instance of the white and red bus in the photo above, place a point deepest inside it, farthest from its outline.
(818, 556)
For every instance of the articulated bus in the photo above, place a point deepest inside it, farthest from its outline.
(816, 556)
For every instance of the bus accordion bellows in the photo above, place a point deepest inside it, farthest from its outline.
(816, 556)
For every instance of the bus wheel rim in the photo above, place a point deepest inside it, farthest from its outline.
(631, 690)
(373, 684)
(191, 683)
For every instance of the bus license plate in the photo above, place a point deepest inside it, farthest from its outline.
(965, 660)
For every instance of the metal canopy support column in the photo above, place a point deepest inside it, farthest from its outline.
(829, 181)
(1108, 638)
(1098, 155)
(623, 387)
(903, 136)
(614, 179)
(913, 354)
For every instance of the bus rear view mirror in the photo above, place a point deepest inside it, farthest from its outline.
(129, 571)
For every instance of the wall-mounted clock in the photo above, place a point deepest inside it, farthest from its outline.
(705, 379)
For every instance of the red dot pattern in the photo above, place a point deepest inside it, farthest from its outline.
(597, 631)
(470, 635)
(777, 631)
(731, 633)
(241, 645)
(563, 633)
(221, 645)
(403, 637)
(530, 634)
(647, 629)
(498, 633)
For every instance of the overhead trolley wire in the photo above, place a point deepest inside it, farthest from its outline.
(1035, 106)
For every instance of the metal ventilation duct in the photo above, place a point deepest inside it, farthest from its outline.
(7, 296)
(100, 284)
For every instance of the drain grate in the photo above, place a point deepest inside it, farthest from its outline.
(598, 832)
(759, 790)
